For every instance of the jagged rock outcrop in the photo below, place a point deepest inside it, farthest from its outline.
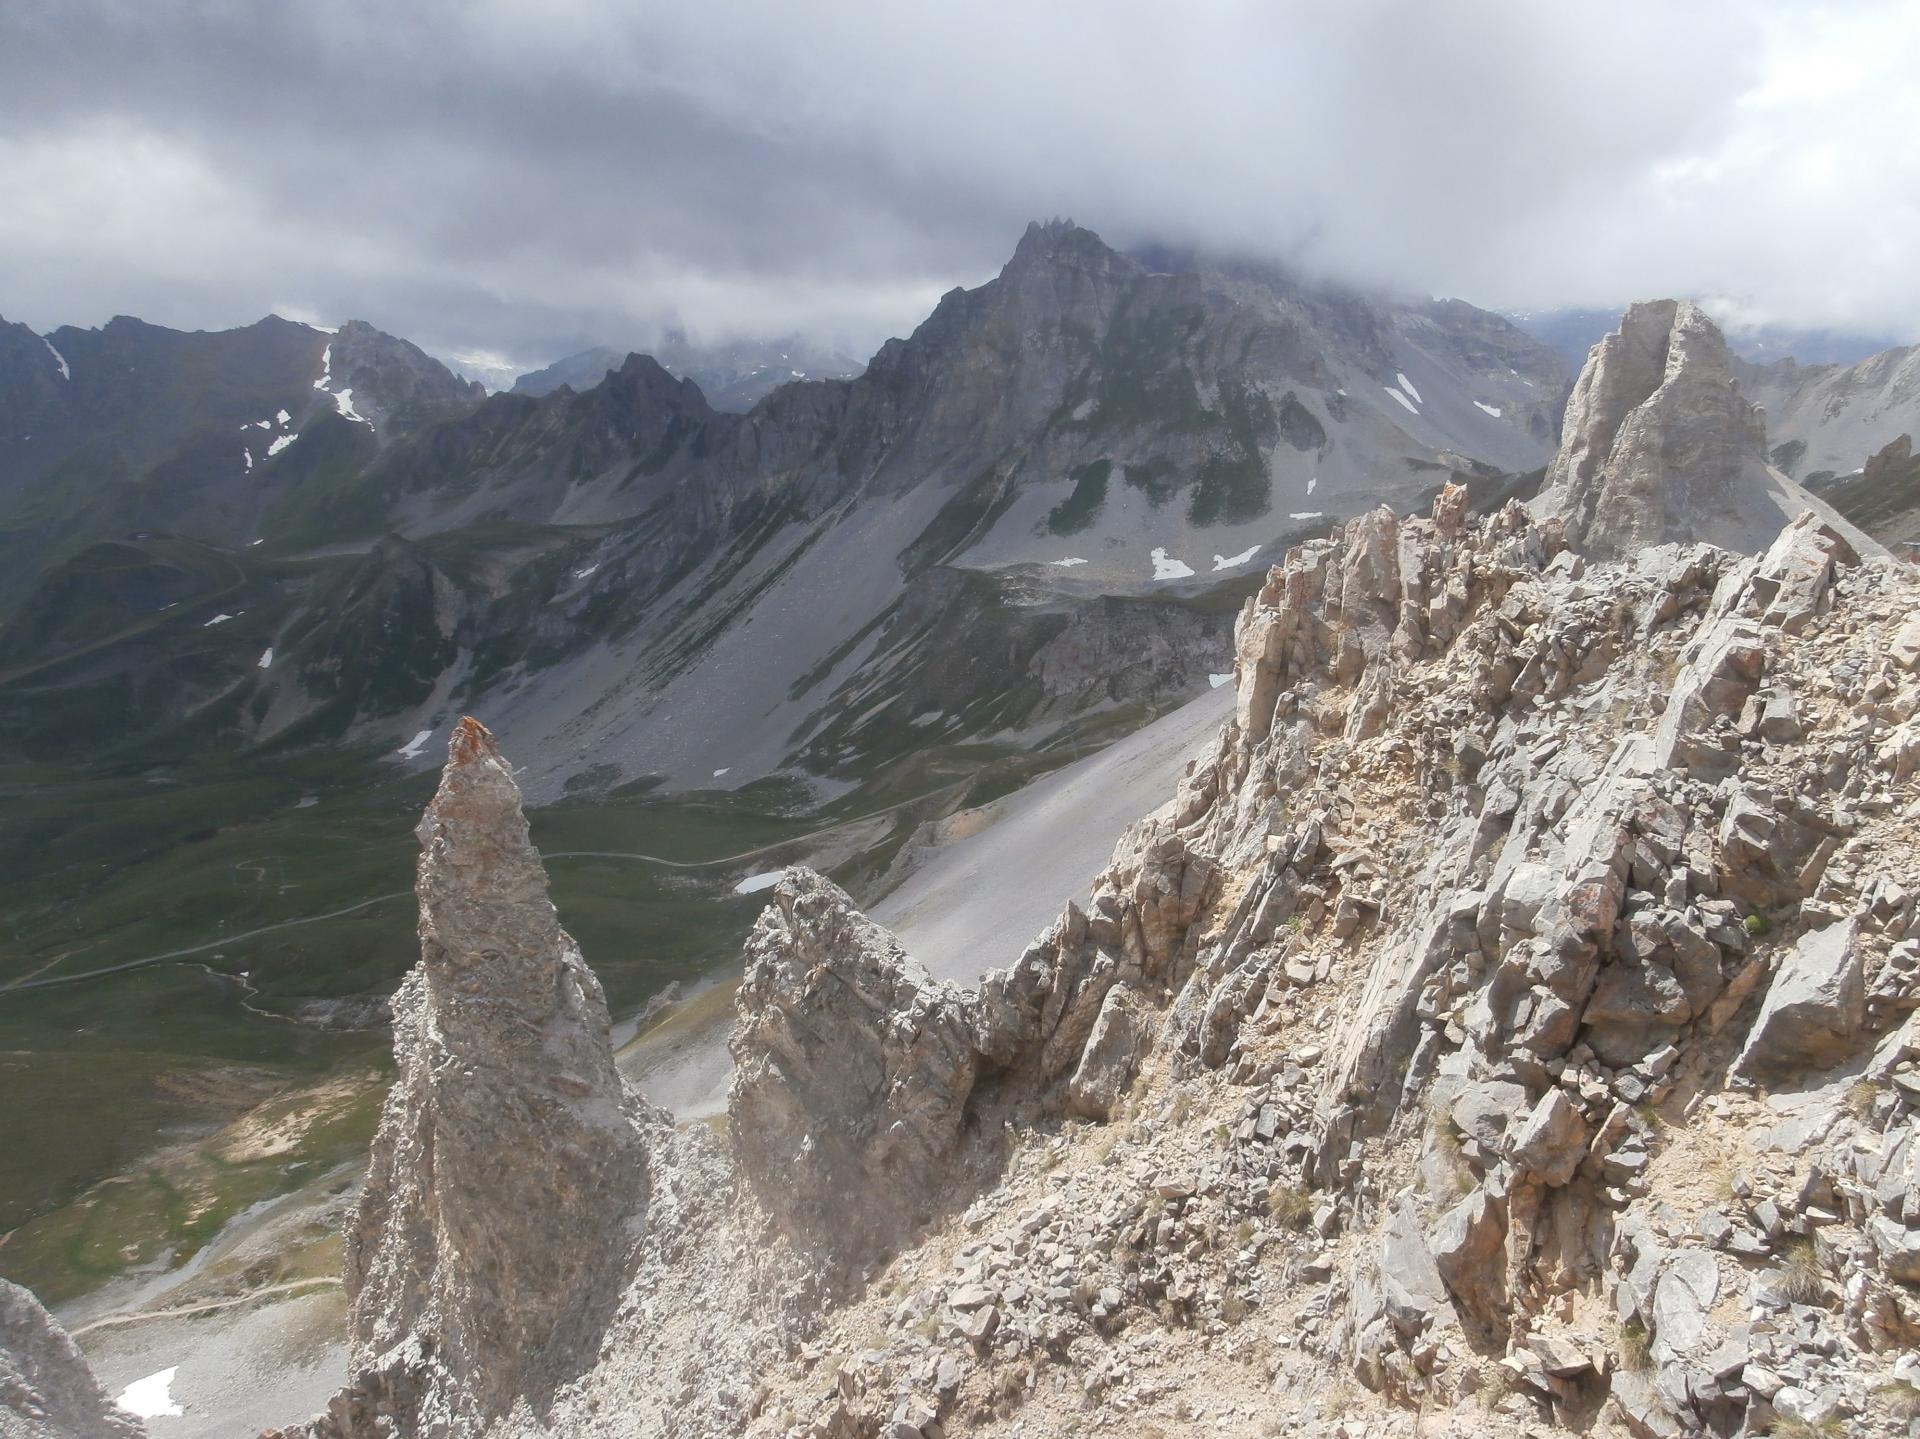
(46, 1389)
(509, 1176)
(1658, 445)
(867, 1096)
(852, 1071)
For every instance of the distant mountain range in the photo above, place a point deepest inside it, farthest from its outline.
(1067, 459)
(734, 377)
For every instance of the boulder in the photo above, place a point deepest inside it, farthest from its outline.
(1414, 1294)
(1686, 1291)
(1121, 1037)
(1483, 1111)
(1468, 1245)
(1552, 1140)
(1815, 1008)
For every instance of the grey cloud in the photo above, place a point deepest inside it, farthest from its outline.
(523, 179)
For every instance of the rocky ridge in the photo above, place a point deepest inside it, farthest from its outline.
(1824, 420)
(1521, 998)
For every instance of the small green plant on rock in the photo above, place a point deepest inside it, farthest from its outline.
(1756, 925)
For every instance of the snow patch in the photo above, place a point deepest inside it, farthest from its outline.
(283, 417)
(65, 374)
(152, 1397)
(1401, 398)
(1215, 681)
(411, 749)
(247, 455)
(280, 442)
(1165, 567)
(1493, 410)
(343, 401)
(1311, 483)
(1308, 515)
(754, 883)
(717, 773)
(266, 658)
(582, 574)
(1069, 562)
(1407, 385)
(1227, 562)
(219, 619)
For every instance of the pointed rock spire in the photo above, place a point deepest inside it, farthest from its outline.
(508, 1171)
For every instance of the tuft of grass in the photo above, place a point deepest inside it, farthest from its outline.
(1234, 1308)
(1636, 1347)
(1898, 1399)
(1785, 1427)
(1446, 1143)
(1805, 1280)
(1500, 1384)
(1339, 1400)
(1289, 1206)
(1860, 1099)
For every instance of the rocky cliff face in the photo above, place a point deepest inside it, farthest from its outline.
(509, 1177)
(46, 1389)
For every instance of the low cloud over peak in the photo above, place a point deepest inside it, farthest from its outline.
(524, 180)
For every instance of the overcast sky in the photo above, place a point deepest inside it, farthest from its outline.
(524, 178)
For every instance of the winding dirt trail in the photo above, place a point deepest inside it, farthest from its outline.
(184, 1311)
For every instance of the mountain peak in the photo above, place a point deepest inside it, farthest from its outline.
(1058, 241)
